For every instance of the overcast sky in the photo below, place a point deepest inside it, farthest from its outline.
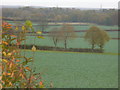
(64, 3)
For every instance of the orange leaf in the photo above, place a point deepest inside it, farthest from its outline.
(41, 83)
(13, 35)
(27, 68)
(4, 73)
(10, 66)
(0, 77)
(9, 27)
(4, 42)
(12, 74)
(17, 60)
(8, 73)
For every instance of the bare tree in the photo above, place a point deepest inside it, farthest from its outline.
(67, 32)
(55, 34)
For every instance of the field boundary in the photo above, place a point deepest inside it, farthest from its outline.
(106, 53)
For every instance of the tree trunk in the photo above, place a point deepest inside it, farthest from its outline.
(93, 46)
(55, 42)
(65, 43)
(101, 47)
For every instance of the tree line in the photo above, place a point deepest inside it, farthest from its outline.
(102, 17)
(94, 36)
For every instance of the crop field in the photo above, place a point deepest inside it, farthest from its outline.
(77, 70)
(78, 27)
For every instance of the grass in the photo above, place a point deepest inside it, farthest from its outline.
(77, 70)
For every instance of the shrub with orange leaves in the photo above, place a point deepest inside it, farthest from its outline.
(6, 25)
(15, 70)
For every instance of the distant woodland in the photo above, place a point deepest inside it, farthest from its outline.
(101, 17)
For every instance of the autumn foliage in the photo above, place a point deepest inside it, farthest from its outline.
(16, 73)
(97, 37)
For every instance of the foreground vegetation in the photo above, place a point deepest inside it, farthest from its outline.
(16, 72)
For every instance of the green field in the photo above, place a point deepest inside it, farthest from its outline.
(79, 27)
(77, 70)
(111, 46)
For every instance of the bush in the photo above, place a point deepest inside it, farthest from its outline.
(16, 73)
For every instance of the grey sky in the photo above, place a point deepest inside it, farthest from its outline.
(64, 3)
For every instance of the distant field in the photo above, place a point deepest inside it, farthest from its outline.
(111, 46)
(77, 26)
